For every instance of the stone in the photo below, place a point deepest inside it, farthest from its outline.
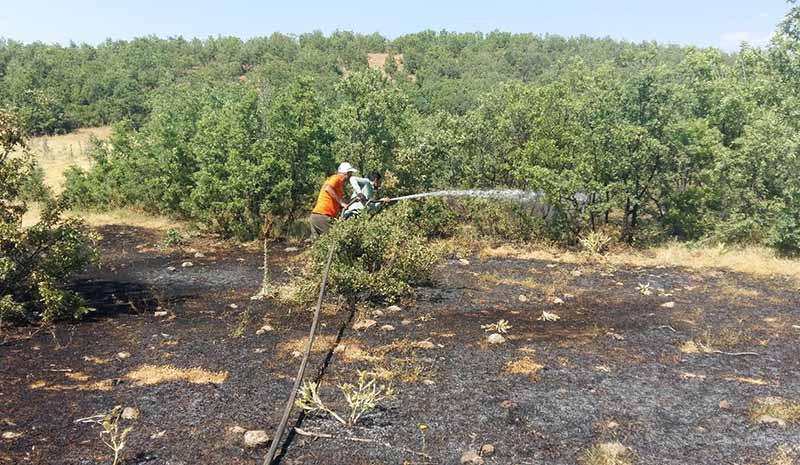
(557, 301)
(199, 255)
(668, 305)
(406, 322)
(187, 265)
(172, 268)
(471, 457)
(291, 249)
(463, 261)
(612, 425)
(495, 338)
(264, 329)
(724, 405)
(255, 438)
(233, 306)
(11, 435)
(426, 345)
(160, 314)
(160, 434)
(487, 450)
(569, 296)
(377, 313)
(130, 413)
(522, 298)
(237, 430)
(362, 325)
(394, 309)
(123, 355)
(387, 328)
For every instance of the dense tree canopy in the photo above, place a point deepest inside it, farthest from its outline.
(646, 140)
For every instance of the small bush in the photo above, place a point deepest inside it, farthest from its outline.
(434, 217)
(784, 236)
(35, 262)
(379, 257)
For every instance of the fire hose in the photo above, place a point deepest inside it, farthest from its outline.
(301, 371)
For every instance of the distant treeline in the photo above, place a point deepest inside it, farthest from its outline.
(58, 88)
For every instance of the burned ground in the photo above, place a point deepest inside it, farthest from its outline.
(655, 358)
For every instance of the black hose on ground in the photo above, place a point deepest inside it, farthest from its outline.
(276, 440)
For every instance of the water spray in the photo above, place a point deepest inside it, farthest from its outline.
(514, 195)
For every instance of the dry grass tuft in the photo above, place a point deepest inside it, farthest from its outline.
(709, 342)
(351, 351)
(77, 376)
(404, 364)
(151, 374)
(747, 380)
(785, 455)
(321, 344)
(607, 453)
(758, 261)
(84, 384)
(774, 407)
(524, 366)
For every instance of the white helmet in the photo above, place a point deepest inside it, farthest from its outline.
(346, 168)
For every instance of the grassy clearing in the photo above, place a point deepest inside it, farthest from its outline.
(758, 261)
(57, 153)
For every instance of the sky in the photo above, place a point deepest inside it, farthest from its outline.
(717, 23)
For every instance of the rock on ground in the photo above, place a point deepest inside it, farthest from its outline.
(471, 457)
(264, 329)
(495, 338)
(255, 438)
(130, 413)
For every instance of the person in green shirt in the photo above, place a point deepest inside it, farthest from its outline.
(363, 197)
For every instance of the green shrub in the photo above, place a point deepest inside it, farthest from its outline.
(784, 235)
(379, 257)
(435, 218)
(35, 262)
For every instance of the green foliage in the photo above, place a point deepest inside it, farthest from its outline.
(784, 235)
(172, 238)
(648, 141)
(213, 155)
(377, 257)
(35, 262)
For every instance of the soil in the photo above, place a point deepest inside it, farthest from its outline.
(611, 369)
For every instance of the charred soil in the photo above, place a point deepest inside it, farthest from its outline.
(657, 359)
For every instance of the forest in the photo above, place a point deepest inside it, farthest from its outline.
(665, 141)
